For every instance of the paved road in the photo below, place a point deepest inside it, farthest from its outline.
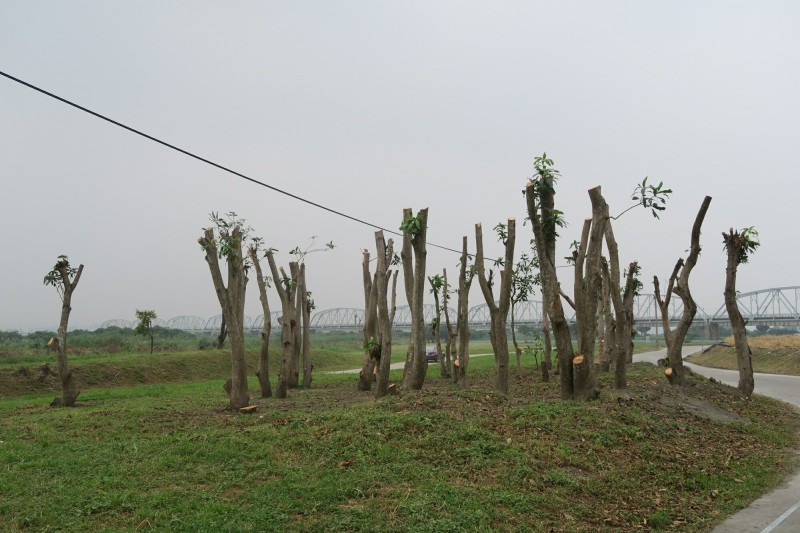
(779, 510)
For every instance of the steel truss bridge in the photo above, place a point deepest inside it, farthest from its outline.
(776, 307)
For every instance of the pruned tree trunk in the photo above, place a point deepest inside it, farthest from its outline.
(286, 288)
(69, 390)
(623, 322)
(517, 349)
(372, 348)
(734, 244)
(461, 362)
(294, 373)
(413, 256)
(308, 366)
(663, 304)
(576, 371)
(385, 315)
(617, 341)
(437, 331)
(231, 299)
(263, 354)
(541, 212)
(452, 335)
(606, 320)
(498, 312)
(585, 386)
(681, 288)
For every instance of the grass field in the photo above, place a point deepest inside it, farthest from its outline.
(779, 354)
(166, 456)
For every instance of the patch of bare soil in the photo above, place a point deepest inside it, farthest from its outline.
(28, 380)
(700, 397)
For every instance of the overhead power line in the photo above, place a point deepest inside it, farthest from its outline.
(212, 163)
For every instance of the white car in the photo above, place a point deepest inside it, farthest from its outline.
(431, 354)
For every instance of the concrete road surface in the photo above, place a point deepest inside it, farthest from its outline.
(777, 511)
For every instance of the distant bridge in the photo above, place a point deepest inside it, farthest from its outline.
(778, 306)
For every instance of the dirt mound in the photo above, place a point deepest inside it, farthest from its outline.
(701, 398)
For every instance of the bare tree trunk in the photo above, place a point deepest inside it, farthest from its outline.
(588, 264)
(547, 356)
(606, 321)
(385, 317)
(437, 331)
(663, 305)
(415, 276)
(308, 367)
(498, 312)
(618, 349)
(231, 299)
(294, 374)
(452, 335)
(286, 288)
(263, 354)
(734, 244)
(69, 390)
(372, 348)
(576, 371)
(462, 320)
(541, 212)
(223, 333)
(675, 372)
(517, 349)
(622, 325)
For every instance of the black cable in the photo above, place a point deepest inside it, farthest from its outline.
(212, 163)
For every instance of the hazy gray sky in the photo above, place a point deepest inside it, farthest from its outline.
(373, 106)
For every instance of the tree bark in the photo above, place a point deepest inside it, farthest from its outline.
(541, 212)
(498, 312)
(372, 348)
(590, 280)
(308, 367)
(294, 374)
(606, 322)
(69, 390)
(231, 299)
(437, 332)
(286, 288)
(663, 305)
(734, 243)
(263, 354)
(414, 274)
(452, 335)
(465, 276)
(675, 346)
(517, 349)
(576, 371)
(385, 317)
(547, 356)
(223, 333)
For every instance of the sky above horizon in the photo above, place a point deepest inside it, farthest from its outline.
(369, 107)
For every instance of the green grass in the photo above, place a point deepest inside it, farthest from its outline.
(770, 354)
(22, 374)
(166, 456)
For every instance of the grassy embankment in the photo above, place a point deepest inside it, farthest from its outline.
(165, 456)
(779, 354)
